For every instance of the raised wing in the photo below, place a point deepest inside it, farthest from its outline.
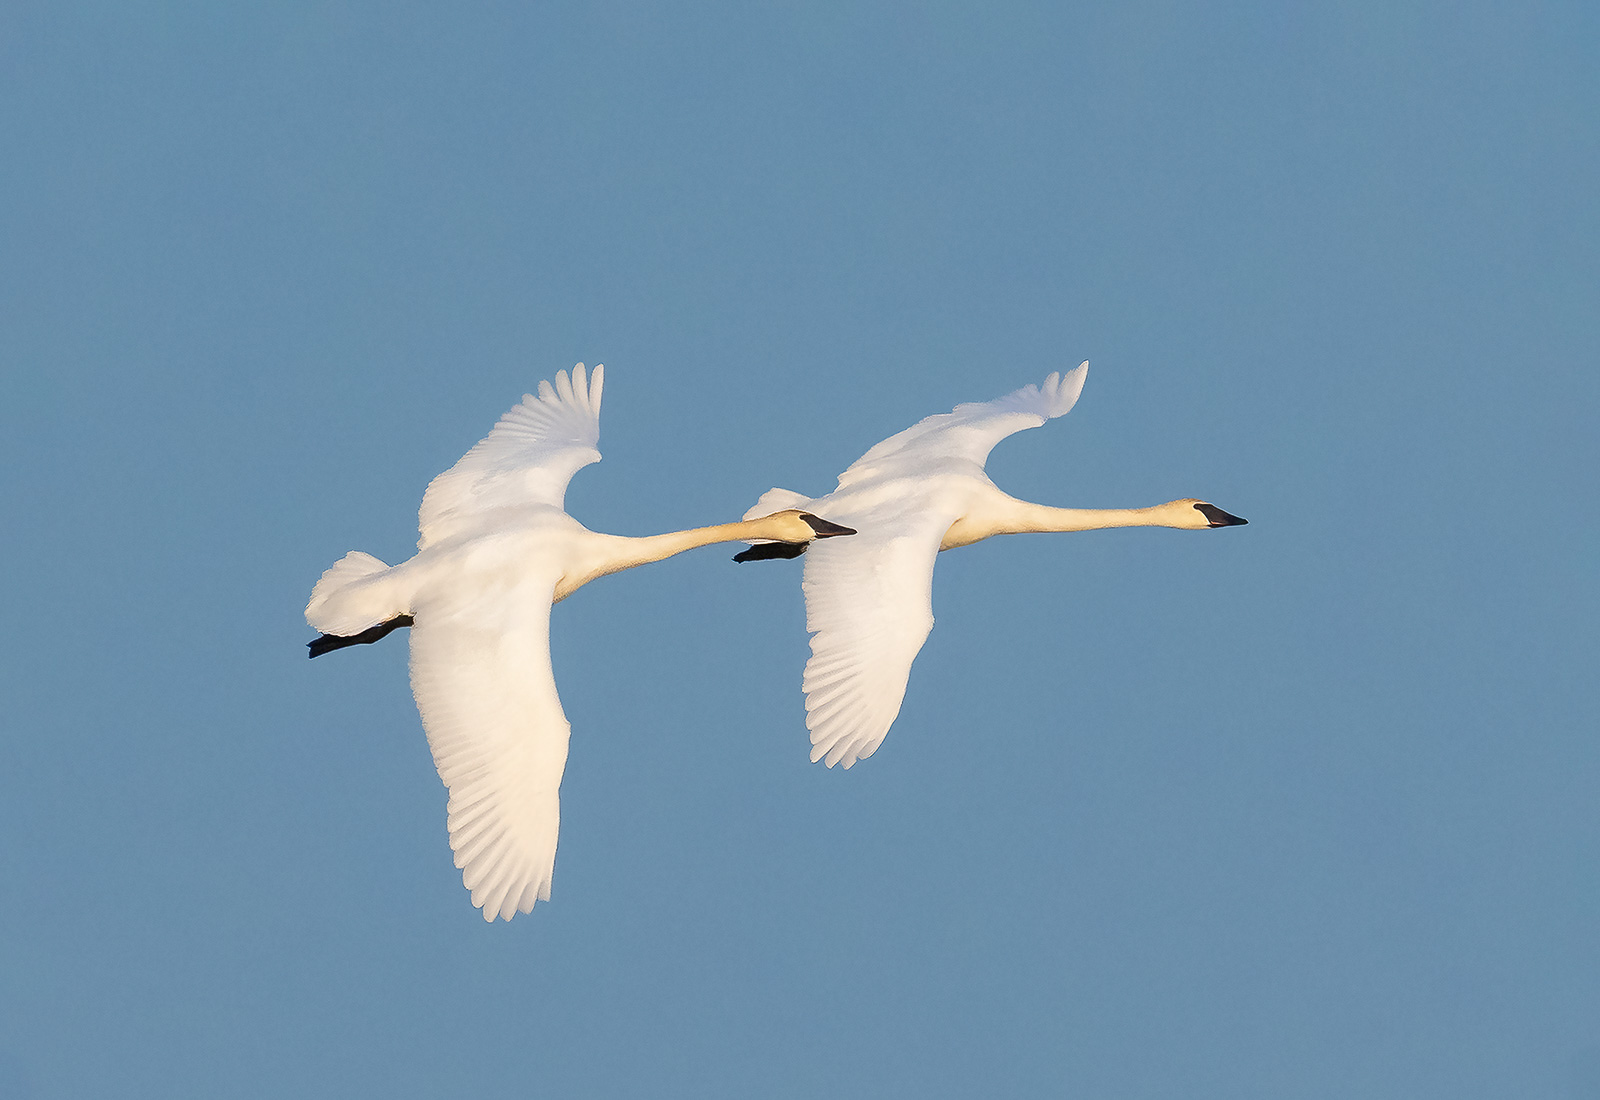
(528, 458)
(480, 671)
(971, 430)
(869, 601)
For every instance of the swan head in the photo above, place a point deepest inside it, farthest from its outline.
(786, 534)
(794, 525)
(1200, 515)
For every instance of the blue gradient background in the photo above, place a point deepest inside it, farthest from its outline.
(1305, 809)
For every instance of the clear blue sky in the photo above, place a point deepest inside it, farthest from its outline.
(1303, 809)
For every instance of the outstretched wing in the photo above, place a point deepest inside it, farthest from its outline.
(528, 458)
(480, 671)
(869, 602)
(971, 430)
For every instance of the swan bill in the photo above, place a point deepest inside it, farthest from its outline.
(327, 643)
(1216, 517)
(763, 551)
(823, 528)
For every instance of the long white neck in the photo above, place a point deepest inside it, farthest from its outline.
(1010, 516)
(1041, 517)
(649, 548)
(614, 553)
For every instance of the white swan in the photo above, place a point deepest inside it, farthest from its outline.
(869, 600)
(496, 551)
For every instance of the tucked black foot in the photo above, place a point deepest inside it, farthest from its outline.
(764, 550)
(327, 643)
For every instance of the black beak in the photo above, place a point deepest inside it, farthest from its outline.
(826, 530)
(761, 551)
(1218, 518)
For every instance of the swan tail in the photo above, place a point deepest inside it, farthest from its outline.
(777, 500)
(356, 594)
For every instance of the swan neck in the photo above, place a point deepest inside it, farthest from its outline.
(626, 551)
(1040, 517)
(649, 548)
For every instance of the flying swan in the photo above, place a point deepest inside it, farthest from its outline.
(869, 600)
(497, 550)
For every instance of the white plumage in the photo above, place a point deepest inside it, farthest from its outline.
(869, 599)
(496, 550)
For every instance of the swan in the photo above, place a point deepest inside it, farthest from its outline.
(497, 549)
(869, 600)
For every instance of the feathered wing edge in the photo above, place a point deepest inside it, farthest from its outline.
(484, 687)
(869, 608)
(528, 457)
(971, 429)
(1051, 398)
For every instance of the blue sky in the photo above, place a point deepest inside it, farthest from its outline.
(1304, 809)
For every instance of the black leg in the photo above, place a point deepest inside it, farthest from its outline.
(327, 643)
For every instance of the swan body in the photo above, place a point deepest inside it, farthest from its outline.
(497, 549)
(869, 599)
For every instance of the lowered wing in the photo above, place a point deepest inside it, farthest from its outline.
(869, 604)
(480, 671)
